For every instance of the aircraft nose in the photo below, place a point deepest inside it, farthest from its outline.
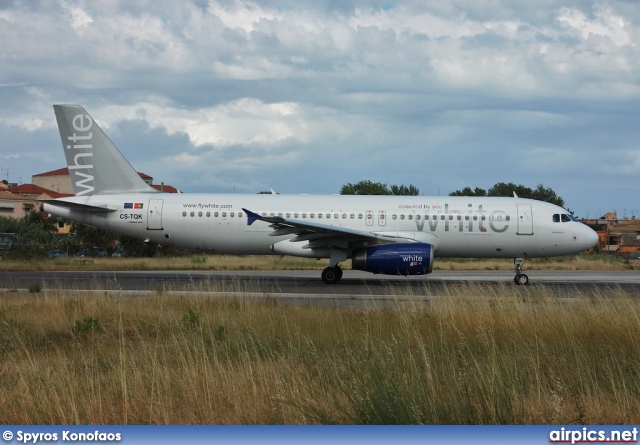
(591, 237)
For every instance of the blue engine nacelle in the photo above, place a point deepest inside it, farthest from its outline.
(395, 259)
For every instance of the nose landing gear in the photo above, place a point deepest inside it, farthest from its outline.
(520, 279)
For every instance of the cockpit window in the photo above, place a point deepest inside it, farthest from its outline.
(564, 218)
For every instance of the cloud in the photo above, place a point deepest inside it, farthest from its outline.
(604, 23)
(309, 95)
(244, 121)
(77, 17)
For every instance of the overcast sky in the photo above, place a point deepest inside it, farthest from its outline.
(305, 96)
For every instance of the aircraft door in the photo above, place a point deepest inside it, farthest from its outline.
(154, 214)
(369, 217)
(382, 218)
(525, 220)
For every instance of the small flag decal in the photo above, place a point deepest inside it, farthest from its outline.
(133, 205)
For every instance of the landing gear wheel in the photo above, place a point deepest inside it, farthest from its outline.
(520, 279)
(331, 275)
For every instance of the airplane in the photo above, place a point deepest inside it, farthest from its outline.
(393, 235)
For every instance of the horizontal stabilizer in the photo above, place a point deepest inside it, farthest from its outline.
(78, 207)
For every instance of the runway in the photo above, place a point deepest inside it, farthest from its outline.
(307, 286)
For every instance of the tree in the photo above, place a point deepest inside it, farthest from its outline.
(32, 228)
(367, 187)
(403, 190)
(468, 192)
(91, 236)
(541, 193)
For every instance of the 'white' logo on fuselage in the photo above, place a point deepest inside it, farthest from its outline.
(496, 219)
(84, 181)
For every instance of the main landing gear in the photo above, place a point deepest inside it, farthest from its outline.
(332, 274)
(520, 279)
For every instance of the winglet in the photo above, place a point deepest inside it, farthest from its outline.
(251, 216)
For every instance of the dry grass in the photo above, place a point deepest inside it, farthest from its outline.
(253, 262)
(513, 355)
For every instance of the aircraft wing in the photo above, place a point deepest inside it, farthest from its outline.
(322, 235)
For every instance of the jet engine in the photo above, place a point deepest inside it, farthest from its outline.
(395, 259)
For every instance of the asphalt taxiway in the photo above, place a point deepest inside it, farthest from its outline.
(307, 285)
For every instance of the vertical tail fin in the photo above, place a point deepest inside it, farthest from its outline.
(96, 166)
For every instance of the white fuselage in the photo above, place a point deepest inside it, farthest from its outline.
(476, 227)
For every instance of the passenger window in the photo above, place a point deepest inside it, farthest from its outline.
(208, 214)
(401, 216)
(320, 215)
(184, 213)
(216, 214)
(312, 215)
(200, 214)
